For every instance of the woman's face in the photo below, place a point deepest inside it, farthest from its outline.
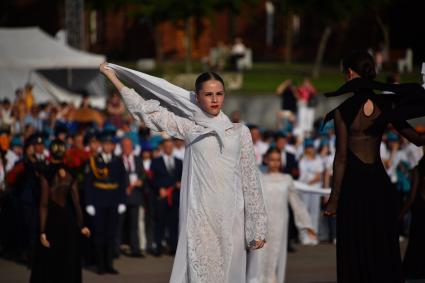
(273, 162)
(310, 151)
(324, 150)
(211, 97)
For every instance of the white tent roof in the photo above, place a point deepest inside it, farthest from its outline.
(25, 50)
(32, 48)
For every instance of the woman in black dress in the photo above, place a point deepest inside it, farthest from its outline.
(363, 197)
(57, 257)
(414, 258)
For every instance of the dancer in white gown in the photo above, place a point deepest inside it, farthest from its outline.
(268, 265)
(222, 211)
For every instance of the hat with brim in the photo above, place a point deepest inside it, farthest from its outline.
(108, 136)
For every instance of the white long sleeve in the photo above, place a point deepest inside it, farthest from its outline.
(255, 211)
(301, 215)
(156, 117)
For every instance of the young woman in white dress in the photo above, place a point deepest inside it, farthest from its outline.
(268, 265)
(311, 173)
(222, 211)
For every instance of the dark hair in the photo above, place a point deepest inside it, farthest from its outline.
(253, 126)
(280, 135)
(166, 140)
(271, 150)
(206, 77)
(360, 62)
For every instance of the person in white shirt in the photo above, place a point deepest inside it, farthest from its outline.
(413, 153)
(398, 167)
(268, 265)
(260, 147)
(237, 52)
(327, 223)
(6, 118)
(14, 154)
(179, 149)
(395, 156)
(311, 171)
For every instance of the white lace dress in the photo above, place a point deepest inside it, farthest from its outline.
(268, 265)
(221, 203)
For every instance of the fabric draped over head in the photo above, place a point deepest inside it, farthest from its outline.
(403, 101)
(176, 99)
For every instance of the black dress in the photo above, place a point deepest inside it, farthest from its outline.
(61, 221)
(414, 258)
(362, 194)
(289, 102)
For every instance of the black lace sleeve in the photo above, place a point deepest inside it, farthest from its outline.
(339, 161)
(76, 202)
(44, 203)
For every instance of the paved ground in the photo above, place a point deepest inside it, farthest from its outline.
(307, 265)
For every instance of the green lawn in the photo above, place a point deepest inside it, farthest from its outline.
(265, 77)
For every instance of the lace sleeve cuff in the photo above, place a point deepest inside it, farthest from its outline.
(255, 210)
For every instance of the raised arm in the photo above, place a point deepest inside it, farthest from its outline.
(340, 163)
(255, 210)
(155, 116)
(409, 133)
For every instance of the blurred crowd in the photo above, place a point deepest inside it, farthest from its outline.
(145, 217)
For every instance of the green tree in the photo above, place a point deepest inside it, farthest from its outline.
(234, 7)
(379, 9)
(157, 12)
(187, 11)
(332, 12)
(290, 8)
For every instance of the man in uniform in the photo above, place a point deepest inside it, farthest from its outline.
(104, 189)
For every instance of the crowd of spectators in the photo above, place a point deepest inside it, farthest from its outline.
(27, 128)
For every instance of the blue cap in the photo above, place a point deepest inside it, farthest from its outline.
(60, 127)
(16, 141)
(108, 135)
(109, 127)
(37, 138)
(155, 141)
(308, 143)
(392, 137)
(324, 142)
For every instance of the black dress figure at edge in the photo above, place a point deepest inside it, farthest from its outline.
(363, 197)
(61, 222)
(414, 258)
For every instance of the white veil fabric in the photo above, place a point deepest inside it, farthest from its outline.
(176, 99)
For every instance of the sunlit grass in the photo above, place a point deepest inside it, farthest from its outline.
(264, 77)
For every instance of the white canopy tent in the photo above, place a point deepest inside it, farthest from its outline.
(26, 50)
